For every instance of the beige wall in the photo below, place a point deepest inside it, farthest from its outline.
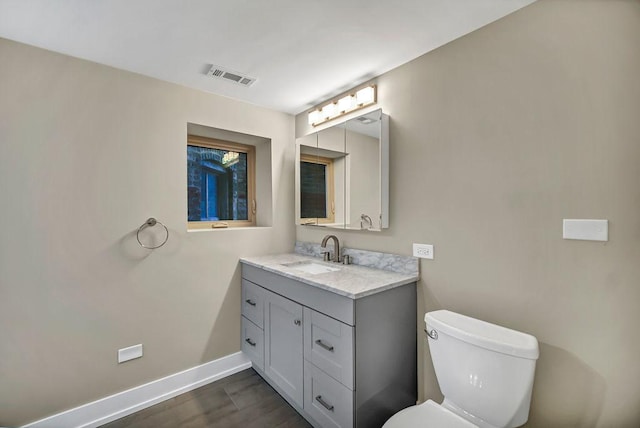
(87, 154)
(495, 138)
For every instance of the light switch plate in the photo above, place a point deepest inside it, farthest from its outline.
(586, 230)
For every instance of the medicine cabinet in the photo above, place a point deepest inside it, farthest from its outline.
(342, 175)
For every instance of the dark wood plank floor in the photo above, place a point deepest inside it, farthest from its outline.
(241, 400)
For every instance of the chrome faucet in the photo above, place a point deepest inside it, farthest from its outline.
(336, 247)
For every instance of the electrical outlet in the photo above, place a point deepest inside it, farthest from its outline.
(424, 251)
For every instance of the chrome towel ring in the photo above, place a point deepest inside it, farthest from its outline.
(150, 223)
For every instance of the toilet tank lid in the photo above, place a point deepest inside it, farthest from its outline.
(483, 334)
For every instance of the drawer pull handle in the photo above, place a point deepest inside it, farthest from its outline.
(250, 342)
(326, 405)
(321, 344)
(297, 322)
(251, 302)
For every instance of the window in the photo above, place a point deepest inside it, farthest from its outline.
(316, 189)
(221, 183)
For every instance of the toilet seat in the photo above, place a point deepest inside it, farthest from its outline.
(428, 414)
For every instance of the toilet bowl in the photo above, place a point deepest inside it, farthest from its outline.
(484, 371)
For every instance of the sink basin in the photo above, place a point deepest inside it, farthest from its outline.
(310, 267)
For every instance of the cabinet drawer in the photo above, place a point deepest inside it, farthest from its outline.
(253, 302)
(325, 400)
(253, 342)
(328, 344)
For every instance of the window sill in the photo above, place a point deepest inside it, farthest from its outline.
(226, 229)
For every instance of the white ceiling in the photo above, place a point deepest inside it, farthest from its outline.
(301, 51)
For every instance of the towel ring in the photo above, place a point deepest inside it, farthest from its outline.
(150, 223)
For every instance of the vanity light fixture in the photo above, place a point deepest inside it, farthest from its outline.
(339, 107)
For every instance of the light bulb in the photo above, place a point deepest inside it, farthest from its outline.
(314, 117)
(346, 103)
(328, 111)
(365, 95)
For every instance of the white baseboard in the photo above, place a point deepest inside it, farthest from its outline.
(124, 403)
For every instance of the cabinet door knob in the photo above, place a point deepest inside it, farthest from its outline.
(297, 322)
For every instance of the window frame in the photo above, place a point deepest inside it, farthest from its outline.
(213, 143)
(331, 204)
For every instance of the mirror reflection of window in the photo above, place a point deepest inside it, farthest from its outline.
(316, 189)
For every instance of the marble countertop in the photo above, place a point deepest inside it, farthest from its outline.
(353, 281)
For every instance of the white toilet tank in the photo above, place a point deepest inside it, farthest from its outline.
(485, 371)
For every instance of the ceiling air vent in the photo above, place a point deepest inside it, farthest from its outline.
(230, 76)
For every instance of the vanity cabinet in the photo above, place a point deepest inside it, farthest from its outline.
(340, 362)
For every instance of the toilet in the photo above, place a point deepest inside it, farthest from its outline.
(485, 373)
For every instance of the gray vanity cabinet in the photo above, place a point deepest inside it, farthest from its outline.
(340, 362)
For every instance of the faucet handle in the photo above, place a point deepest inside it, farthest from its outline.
(326, 256)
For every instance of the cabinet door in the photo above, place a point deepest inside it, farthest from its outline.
(283, 345)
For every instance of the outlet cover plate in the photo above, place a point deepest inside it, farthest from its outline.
(424, 251)
(130, 353)
(585, 229)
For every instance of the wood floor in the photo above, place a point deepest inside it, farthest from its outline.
(240, 400)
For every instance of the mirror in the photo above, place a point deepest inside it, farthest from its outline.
(342, 175)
